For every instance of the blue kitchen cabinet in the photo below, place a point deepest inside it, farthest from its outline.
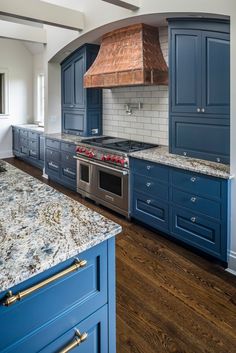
(199, 63)
(187, 206)
(28, 145)
(60, 164)
(79, 302)
(81, 107)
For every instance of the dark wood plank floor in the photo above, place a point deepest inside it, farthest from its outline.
(168, 298)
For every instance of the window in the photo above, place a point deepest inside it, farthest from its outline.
(40, 98)
(3, 92)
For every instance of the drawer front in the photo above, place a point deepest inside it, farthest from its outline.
(84, 290)
(23, 133)
(68, 158)
(199, 231)
(149, 169)
(68, 173)
(150, 211)
(33, 135)
(196, 184)
(96, 328)
(68, 147)
(150, 187)
(52, 155)
(196, 203)
(24, 150)
(53, 144)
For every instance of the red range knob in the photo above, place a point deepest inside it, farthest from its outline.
(108, 157)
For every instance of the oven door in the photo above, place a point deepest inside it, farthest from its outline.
(85, 176)
(112, 186)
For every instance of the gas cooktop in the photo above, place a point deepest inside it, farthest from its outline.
(118, 144)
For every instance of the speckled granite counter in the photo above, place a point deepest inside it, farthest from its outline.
(40, 227)
(162, 156)
(32, 127)
(66, 137)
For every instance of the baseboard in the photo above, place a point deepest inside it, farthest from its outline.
(6, 154)
(232, 262)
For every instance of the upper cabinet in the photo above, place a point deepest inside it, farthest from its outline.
(199, 63)
(81, 108)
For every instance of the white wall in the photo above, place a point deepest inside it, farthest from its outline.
(18, 60)
(150, 124)
(38, 68)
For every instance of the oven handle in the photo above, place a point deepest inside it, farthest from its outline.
(124, 172)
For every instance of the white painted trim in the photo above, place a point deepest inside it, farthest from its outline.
(232, 262)
(231, 271)
(6, 154)
(43, 12)
(132, 5)
(18, 31)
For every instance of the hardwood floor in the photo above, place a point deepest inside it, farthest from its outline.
(169, 299)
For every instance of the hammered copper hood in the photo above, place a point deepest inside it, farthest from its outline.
(129, 56)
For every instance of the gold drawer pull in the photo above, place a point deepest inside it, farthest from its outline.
(79, 338)
(12, 299)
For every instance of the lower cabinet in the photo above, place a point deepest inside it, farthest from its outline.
(60, 164)
(76, 310)
(29, 146)
(188, 206)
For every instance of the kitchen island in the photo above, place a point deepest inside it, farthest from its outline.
(57, 270)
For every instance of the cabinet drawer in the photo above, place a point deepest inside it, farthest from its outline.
(84, 291)
(23, 133)
(68, 147)
(68, 158)
(199, 231)
(208, 207)
(96, 328)
(52, 155)
(53, 144)
(24, 141)
(68, 173)
(150, 187)
(196, 184)
(149, 169)
(33, 135)
(150, 211)
(33, 149)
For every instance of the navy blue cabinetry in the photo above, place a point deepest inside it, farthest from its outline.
(199, 61)
(81, 108)
(29, 146)
(188, 206)
(80, 302)
(60, 165)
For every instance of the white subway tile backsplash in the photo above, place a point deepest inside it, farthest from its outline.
(150, 124)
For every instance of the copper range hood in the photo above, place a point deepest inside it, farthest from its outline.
(129, 56)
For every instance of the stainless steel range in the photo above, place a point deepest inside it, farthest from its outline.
(103, 170)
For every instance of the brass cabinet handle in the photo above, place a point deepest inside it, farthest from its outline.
(77, 340)
(12, 299)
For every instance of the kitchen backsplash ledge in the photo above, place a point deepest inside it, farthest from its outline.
(150, 124)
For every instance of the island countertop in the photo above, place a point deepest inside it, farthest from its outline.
(40, 227)
(161, 155)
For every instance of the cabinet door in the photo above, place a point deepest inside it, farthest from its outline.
(79, 91)
(185, 71)
(215, 73)
(68, 85)
(201, 138)
(16, 140)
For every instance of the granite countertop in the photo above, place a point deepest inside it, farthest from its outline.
(33, 127)
(162, 156)
(40, 227)
(66, 137)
